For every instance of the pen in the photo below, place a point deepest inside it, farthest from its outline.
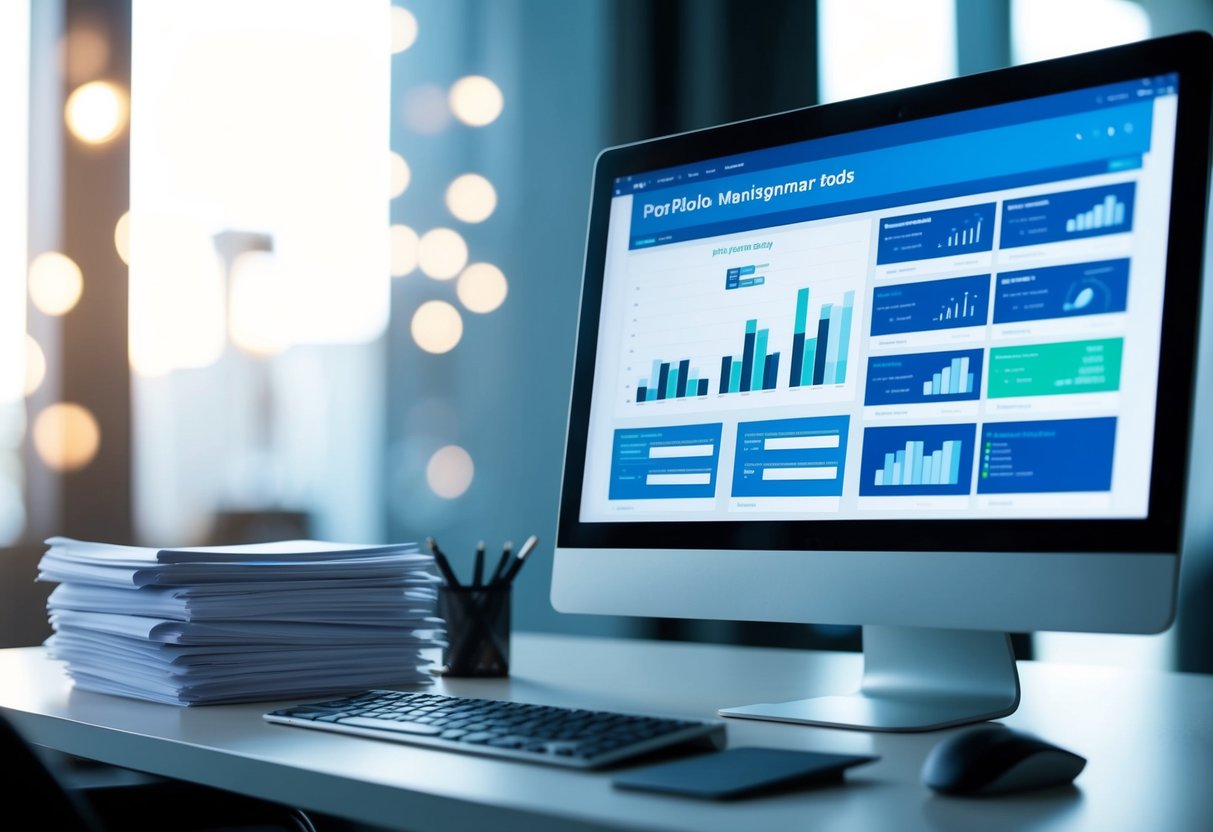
(516, 566)
(444, 565)
(501, 564)
(478, 568)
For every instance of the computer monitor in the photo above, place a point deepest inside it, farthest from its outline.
(921, 362)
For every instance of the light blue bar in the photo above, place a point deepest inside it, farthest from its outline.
(808, 362)
(832, 347)
(926, 469)
(955, 388)
(844, 337)
(760, 359)
(954, 471)
(879, 476)
(916, 477)
(888, 469)
(907, 463)
(966, 378)
(1119, 217)
(656, 374)
(969, 383)
(936, 467)
(897, 471)
(945, 463)
(671, 384)
(936, 381)
(735, 376)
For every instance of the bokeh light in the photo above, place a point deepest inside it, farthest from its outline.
(471, 198)
(442, 253)
(404, 29)
(425, 109)
(404, 243)
(122, 237)
(399, 173)
(450, 471)
(482, 287)
(476, 100)
(55, 283)
(437, 326)
(35, 365)
(96, 112)
(66, 436)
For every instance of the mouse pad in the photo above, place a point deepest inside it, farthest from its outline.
(740, 772)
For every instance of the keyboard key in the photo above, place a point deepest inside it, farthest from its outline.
(391, 725)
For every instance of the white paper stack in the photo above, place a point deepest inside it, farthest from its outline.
(216, 624)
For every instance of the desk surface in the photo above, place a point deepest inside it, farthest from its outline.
(1148, 738)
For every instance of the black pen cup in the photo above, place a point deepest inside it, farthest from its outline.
(477, 630)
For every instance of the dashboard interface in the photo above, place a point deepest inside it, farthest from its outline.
(958, 317)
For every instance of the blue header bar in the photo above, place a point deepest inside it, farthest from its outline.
(1025, 152)
(1078, 101)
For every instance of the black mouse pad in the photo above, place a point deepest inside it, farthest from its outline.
(739, 772)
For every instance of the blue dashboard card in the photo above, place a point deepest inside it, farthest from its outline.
(741, 772)
(1061, 291)
(930, 305)
(665, 462)
(791, 457)
(922, 378)
(917, 460)
(1070, 215)
(1046, 457)
(936, 234)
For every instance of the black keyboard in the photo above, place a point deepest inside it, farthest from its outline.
(536, 733)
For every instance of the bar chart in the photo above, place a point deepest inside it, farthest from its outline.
(950, 380)
(1106, 214)
(755, 368)
(671, 380)
(964, 236)
(918, 460)
(960, 308)
(913, 466)
(822, 358)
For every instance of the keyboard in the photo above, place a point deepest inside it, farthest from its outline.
(515, 730)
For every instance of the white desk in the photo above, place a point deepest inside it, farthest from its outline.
(1148, 738)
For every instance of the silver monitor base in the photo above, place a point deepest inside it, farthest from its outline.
(914, 679)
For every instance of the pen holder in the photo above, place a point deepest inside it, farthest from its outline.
(477, 630)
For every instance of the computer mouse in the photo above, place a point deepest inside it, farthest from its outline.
(996, 760)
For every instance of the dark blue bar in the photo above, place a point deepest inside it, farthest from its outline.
(917, 307)
(819, 364)
(747, 362)
(726, 367)
(703, 386)
(1044, 218)
(1047, 457)
(680, 389)
(663, 380)
(1061, 291)
(641, 393)
(930, 234)
(797, 359)
(769, 371)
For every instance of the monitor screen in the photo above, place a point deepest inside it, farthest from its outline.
(922, 361)
(952, 317)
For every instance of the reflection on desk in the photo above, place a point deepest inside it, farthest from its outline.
(1147, 736)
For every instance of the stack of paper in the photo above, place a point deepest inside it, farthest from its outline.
(240, 623)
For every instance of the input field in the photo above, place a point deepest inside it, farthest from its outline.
(821, 472)
(704, 478)
(676, 451)
(800, 443)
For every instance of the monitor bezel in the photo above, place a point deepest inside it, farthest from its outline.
(1160, 531)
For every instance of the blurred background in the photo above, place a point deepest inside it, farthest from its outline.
(294, 268)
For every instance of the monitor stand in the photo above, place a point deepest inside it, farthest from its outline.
(914, 679)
